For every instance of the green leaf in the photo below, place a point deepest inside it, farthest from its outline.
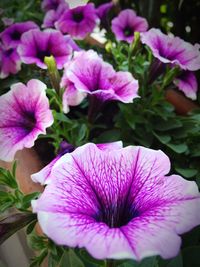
(37, 242)
(26, 200)
(176, 262)
(188, 173)
(191, 256)
(31, 227)
(6, 201)
(167, 125)
(180, 148)
(6, 178)
(13, 223)
(164, 139)
(70, 259)
(148, 262)
(61, 117)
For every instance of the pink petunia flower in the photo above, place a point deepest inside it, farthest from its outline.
(25, 114)
(105, 200)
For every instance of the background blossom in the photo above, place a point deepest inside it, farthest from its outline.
(126, 23)
(78, 22)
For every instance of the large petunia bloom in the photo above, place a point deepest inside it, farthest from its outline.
(11, 36)
(51, 4)
(99, 79)
(44, 175)
(53, 16)
(172, 50)
(10, 62)
(126, 23)
(25, 114)
(105, 200)
(78, 21)
(36, 45)
(187, 83)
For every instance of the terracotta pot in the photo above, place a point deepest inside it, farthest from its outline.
(27, 164)
(182, 104)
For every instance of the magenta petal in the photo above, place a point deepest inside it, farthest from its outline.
(11, 36)
(105, 200)
(10, 62)
(79, 21)
(99, 79)
(44, 175)
(35, 45)
(187, 83)
(172, 49)
(22, 121)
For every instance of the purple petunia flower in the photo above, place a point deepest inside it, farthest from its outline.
(44, 175)
(187, 83)
(25, 114)
(78, 22)
(106, 200)
(51, 4)
(36, 45)
(103, 10)
(53, 16)
(126, 24)
(99, 79)
(172, 50)
(11, 36)
(10, 62)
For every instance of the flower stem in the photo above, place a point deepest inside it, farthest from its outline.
(110, 263)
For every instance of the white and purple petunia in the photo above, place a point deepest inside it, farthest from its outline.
(118, 203)
(53, 16)
(11, 36)
(172, 50)
(44, 176)
(10, 62)
(51, 4)
(78, 21)
(36, 45)
(187, 83)
(99, 79)
(126, 23)
(25, 114)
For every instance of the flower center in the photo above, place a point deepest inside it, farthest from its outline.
(116, 216)
(29, 121)
(42, 54)
(9, 52)
(128, 31)
(16, 35)
(78, 17)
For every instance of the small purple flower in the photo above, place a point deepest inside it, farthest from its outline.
(25, 114)
(51, 4)
(103, 10)
(172, 50)
(44, 175)
(10, 62)
(78, 22)
(126, 24)
(187, 83)
(11, 36)
(53, 16)
(118, 203)
(99, 79)
(36, 45)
